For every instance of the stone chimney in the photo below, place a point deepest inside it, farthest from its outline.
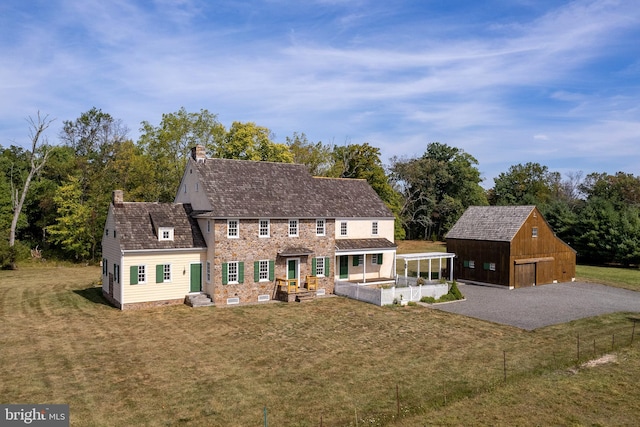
(199, 153)
(118, 197)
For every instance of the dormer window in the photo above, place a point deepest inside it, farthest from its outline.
(165, 233)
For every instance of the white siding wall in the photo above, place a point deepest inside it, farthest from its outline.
(152, 291)
(191, 189)
(361, 228)
(112, 254)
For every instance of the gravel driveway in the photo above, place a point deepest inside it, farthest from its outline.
(538, 306)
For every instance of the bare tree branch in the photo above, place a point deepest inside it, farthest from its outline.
(40, 151)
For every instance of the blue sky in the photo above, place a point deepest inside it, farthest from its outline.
(507, 81)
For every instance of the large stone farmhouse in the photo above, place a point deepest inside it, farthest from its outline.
(512, 246)
(245, 232)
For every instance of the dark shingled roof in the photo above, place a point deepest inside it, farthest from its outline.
(359, 244)
(247, 189)
(137, 226)
(495, 223)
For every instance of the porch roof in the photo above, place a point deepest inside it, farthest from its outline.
(295, 251)
(364, 244)
(425, 255)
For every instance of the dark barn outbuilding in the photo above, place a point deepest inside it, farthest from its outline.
(512, 246)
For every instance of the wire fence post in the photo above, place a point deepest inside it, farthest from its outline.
(504, 365)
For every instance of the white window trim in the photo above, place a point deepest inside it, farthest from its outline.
(268, 229)
(375, 228)
(237, 273)
(319, 261)
(162, 231)
(346, 228)
(237, 221)
(266, 279)
(297, 233)
(164, 280)
(142, 267)
(324, 227)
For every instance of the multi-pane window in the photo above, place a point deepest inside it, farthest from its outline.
(534, 232)
(232, 272)
(376, 259)
(320, 224)
(374, 228)
(116, 273)
(293, 228)
(343, 228)
(232, 228)
(166, 272)
(264, 270)
(472, 264)
(142, 274)
(319, 267)
(263, 227)
(165, 233)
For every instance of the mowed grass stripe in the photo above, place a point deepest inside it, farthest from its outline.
(331, 358)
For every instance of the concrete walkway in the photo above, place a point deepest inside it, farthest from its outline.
(538, 306)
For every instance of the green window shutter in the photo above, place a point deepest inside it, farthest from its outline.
(314, 263)
(256, 271)
(159, 273)
(225, 273)
(272, 268)
(486, 265)
(465, 264)
(355, 260)
(133, 275)
(326, 267)
(241, 272)
(380, 259)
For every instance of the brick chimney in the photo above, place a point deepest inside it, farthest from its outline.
(118, 197)
(199, 153)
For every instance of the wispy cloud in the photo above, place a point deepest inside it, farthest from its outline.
(545, 85)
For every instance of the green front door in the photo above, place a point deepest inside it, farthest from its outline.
(292, 269)
(196, 278)
(344, 267)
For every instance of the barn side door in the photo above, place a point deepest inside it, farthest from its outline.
(525, 275)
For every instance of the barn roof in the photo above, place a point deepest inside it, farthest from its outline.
(495, 223)
(249, 189)
(138, 223)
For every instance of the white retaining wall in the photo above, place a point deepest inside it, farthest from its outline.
(387, 296)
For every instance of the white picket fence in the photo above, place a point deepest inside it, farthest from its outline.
(387, 296)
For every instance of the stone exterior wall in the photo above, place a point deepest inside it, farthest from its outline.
(249, 247)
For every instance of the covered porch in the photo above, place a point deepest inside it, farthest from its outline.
(365, 261)
(429, 257)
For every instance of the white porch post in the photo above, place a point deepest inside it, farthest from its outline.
(440, 269)
(429, 278)
(418, 268)
(451, 270)
(406, 271)
(364, 268)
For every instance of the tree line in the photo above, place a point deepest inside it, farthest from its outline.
(55, 196)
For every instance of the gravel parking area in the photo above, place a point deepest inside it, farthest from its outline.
(538, 306)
